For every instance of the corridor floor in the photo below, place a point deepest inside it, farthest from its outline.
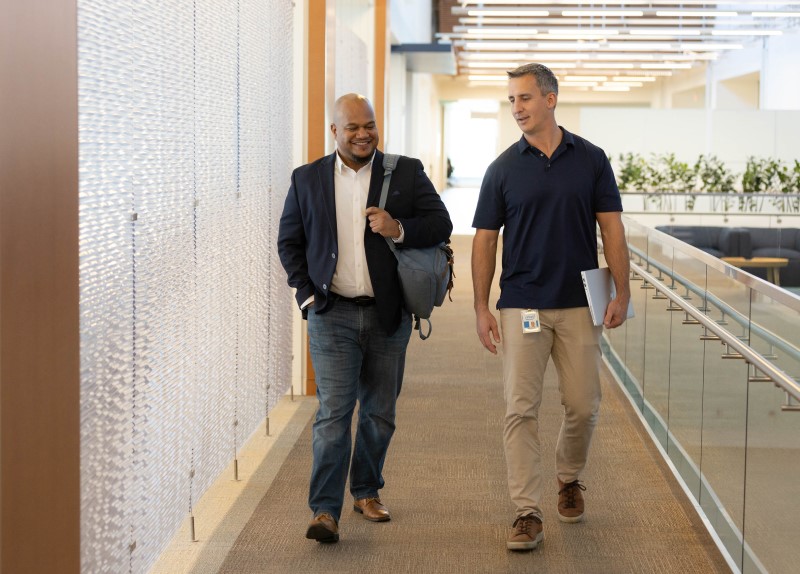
(446, 483)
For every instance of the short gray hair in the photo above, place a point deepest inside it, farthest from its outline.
(545, 78)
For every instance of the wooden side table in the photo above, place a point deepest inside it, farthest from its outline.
(771, 264)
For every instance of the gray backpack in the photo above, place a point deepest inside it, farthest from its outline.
(426, 274)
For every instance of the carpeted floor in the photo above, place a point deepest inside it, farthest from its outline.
(446, 484)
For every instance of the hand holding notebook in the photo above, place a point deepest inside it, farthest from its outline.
(599, 286)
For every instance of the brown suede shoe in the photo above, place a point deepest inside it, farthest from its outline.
(570, 501)
(527, 534)
(323, 528)
(372, 509)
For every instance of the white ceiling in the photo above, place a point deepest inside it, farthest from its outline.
(608, 46)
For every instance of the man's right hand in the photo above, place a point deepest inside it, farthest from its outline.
(488, 331)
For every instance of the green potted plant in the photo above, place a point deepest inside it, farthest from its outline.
(790, 187)
(631, 172)
(714, 177)
(656, 180)
(761, 176)
(680, 178)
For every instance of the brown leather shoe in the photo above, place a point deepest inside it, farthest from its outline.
(526, 534)
(570, 501)
(372, 509)
(323, 528)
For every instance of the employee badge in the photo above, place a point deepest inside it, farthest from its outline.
(530, 321)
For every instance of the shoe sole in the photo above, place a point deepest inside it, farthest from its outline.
(321, 534)
(570, 519)
(361, 512)
(532, 545)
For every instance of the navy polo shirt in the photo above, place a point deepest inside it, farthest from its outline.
(546, 207)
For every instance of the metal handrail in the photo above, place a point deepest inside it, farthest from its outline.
(744, 321)
(784, 204)
(778, 377)
(714, 194)
(774, 292)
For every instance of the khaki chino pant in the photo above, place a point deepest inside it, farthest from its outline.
(570, 338)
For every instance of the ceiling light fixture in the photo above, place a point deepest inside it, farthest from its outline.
(635, 46)
(634, 78)
(496, 45)
(559, 65)
(585, 78)
(510, 12)
(570, 36)
(696, 13)
(626, 40)
(611, 65)
(568, 45)
(583, 31)
(505, 65)
(666, 66)
(603, 13)
(708, 46)
(624, 84)
(665, 32)
(775, 14)
(502, 31)
(733, 32)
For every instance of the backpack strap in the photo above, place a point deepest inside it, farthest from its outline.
(417, 327)
(389, 163)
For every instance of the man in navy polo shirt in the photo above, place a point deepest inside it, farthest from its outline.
(547, 191)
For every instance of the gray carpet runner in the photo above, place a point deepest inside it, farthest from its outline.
(446, 482)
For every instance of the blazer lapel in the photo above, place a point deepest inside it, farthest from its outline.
(375, 180)
(326, 167)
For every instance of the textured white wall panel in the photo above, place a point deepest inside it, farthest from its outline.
(106, 270)
(185, 127)
(161, 177)
(280, 299)
(217, 235)
(254, 224)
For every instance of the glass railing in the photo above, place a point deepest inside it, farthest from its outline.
(769, 204)
(712, 361)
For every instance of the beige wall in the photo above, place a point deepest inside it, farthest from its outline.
(690, 132)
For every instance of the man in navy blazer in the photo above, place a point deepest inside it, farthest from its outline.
(331, 244)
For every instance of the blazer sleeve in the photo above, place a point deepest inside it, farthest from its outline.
(430, 222)
(292, 243)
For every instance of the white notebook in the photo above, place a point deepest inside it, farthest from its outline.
(599, 287)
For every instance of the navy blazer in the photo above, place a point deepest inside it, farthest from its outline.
(307, 240)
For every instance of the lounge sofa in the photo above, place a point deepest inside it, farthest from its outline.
(746, 242)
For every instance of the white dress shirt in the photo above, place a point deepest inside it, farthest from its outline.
(351, 278)
(351, 188)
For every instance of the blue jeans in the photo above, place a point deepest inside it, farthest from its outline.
(353, 360)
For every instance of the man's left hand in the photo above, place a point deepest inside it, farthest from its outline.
(381, 222)
(616, 313)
